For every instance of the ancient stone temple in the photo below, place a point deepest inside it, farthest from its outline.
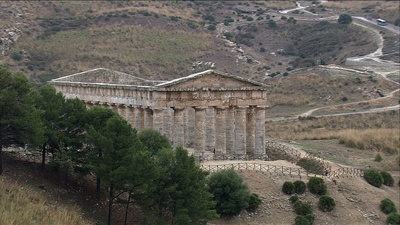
(208, 111)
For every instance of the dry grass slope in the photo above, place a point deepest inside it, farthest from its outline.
(19, 205)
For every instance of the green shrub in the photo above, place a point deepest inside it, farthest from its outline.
(288, 188)
(316, 185)
(345, 19)
(393, 219)
(387, 206)
(373, 177)
(302, 208)
(326, 203)
(230, 192)
(299, 187)
(211, 27)
(254, 202)
(301, 220)
(387, 178)
(293, 199)
(310, 217)
(16, 56)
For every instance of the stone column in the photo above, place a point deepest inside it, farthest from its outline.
(220, 131)
(230, 130)
(139, 118)
(260, 130)
(122, 111)
(210, 129)
(189, 127)
(128, 115)
(200, 134)
(158, 119)
(147, 118)
(114, 107)
(179, 130)
(168, 123)
(250, 131)
(240, 130)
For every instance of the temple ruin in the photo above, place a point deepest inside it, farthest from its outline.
(210, 111)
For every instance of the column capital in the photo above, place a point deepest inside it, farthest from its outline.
(221, 107)
(175, 108)
(262, 106)
(199, 108)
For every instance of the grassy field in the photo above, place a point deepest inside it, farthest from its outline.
(19, 205)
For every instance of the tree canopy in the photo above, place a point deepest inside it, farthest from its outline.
(20, 122)
(345, 19)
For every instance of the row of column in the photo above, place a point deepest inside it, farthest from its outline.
(221, 130)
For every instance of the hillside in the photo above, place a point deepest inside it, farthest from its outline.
(159, 40)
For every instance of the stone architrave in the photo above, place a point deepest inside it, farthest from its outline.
(210, 129)
(250, 131)
(230, 131)
(158, 119)
(179, 129)
(260, 130)
(240, 130)
(220, 130)
(200, 132)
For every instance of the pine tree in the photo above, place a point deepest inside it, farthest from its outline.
(20, 122)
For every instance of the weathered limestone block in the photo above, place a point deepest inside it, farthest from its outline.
(139, 116)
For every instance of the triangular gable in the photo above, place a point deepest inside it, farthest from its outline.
(104, 76)
(210, 79)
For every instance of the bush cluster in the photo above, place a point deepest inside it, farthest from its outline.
(373, 177)
(326, 203)
(288, 188)
(316, 185)
(302, 208)
(387, 178)
(393, 219)
(299, 187)
(387, 206)
(254, 202)
(293, 199)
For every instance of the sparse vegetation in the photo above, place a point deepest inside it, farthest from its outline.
(387, 206)
(293, 199)
(326, 203)
(20, 205)
(288, 188)
(345, 19)
(254, 202)
(302, 208)
(311, 165)
(316, 185)
(299, 187)
(393, 219)
(387, 178)
(373, 177)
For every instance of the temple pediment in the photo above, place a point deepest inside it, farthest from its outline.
(211, 79)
